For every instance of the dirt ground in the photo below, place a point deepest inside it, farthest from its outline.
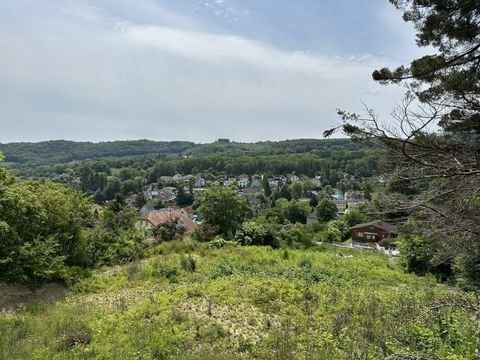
(13, 296)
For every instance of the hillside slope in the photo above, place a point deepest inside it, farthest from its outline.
(250, 303)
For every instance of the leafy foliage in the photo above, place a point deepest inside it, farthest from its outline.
(221, 207)
(41, 228)
(248, 302)
(326, 210)
(433, 140)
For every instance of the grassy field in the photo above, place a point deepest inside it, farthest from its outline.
(192, 301)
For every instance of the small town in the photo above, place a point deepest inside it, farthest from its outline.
(161, 206)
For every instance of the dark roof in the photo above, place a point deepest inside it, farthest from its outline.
(379, 224)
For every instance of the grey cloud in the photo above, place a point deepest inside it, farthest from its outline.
(88, 76)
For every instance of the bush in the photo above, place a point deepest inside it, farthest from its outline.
(161, 269)
(205, 232)
(298, 235)
(254, 233)
(188, 263)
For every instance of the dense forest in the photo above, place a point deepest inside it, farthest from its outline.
(340, 163)
(61, 151)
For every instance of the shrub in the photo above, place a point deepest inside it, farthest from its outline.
(161, 269)
(188, 263)
(205, 232)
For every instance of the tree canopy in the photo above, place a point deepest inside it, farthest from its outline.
(326, 210)
(433, 139)
(220, 206)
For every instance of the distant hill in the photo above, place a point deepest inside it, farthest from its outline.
(61, 151)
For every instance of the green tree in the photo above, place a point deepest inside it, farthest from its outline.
(326, 210)
(313, 202)
(99, 197)
(297, 190)
(140, 200)
(113, 188)
(337, 230)
(221, 207)
(267, 191)
(114, 240)
(183, 198)
(354, 217)
(433, 141)
(257, 233)
(293, 211)
(40, 229)
(284, 193)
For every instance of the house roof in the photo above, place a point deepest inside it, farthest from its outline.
(170, 215)
(379, 224)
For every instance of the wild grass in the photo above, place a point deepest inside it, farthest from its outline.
(191, 301)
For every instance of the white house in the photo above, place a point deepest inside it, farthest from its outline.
(177, 177)
(243, 183)
(229, 182)
(275, 182)
(353, 204)
(341, 205)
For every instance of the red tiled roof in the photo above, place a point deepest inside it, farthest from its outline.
(169, 215)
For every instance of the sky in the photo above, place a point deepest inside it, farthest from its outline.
(198, 70)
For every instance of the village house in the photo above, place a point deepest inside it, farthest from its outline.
(188, 178)
(146, 209)
(229, 182)
(165, 195)
(243, 181)
(312, 218)
(317, 182)
(354, 203)
(151, 191)
(177, 177)
(337, 197)
(166, 179)
(177, 217)
(341, 206)
(210, 177)
(253, 197)
(353, 196)
(131, 200)
(198, 191)
(292, 178)
(373, 232)
(199, 182)
(256, 183)
(276, 183)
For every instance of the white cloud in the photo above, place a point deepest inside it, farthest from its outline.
(114, 79)
(216, 48)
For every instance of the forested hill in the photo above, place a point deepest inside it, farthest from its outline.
(61, 151)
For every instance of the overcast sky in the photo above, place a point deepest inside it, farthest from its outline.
(193, 70)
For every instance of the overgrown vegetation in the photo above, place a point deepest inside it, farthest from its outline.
(50, 232)
(193, 301)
